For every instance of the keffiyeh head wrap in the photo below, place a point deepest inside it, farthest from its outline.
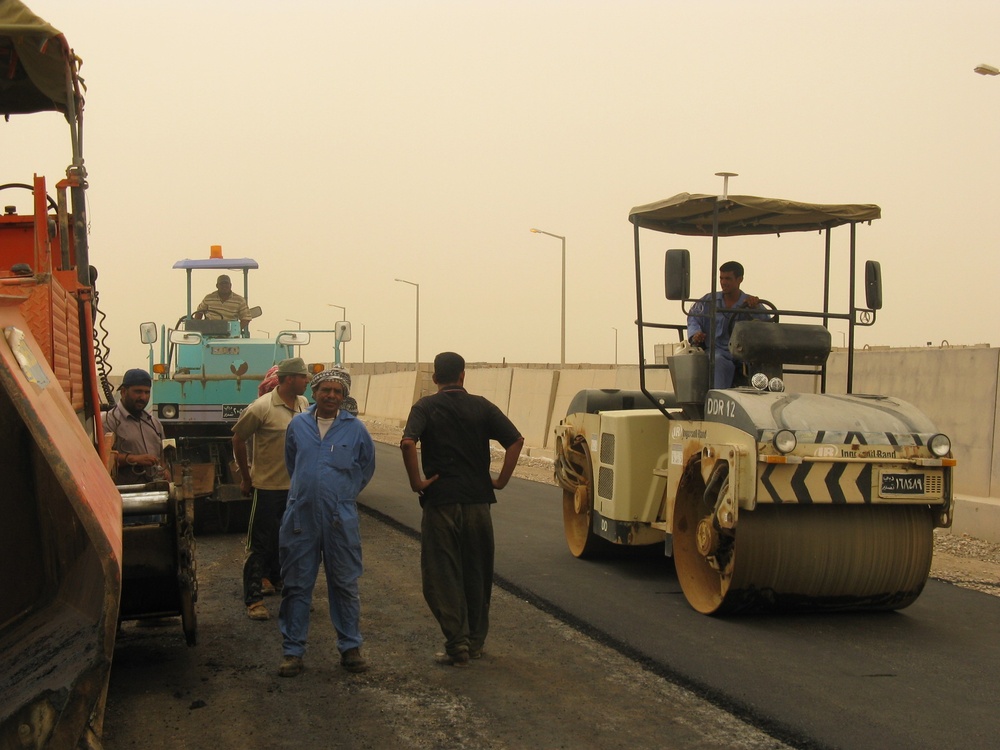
(334, 373)
(269, 383)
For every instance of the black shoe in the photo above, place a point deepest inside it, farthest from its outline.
(353, 661)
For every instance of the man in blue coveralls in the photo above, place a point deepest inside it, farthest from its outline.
(330, 458)
(699, 319)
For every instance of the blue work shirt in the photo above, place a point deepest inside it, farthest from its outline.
(698, 318)
(329, 471)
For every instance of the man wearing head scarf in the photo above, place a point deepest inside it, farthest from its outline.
(138, 435)
(224, 304)
(265, 422)
(330, 457)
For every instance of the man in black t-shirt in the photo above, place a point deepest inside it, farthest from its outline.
(454, 429)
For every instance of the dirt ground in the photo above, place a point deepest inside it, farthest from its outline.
(540, 683)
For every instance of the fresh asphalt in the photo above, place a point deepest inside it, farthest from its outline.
(919, 678)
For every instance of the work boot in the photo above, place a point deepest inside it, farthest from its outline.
(353, 661)
(291, 666)
(257, 611)
(266, 587)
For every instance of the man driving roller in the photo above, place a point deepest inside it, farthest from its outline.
(728, 297)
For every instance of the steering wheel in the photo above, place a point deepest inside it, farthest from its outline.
(210, 314)
(772, 307)
(748, 313)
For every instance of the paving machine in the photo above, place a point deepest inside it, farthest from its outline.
(62, 512)
(765, 498)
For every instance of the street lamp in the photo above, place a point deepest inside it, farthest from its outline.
(344, 309)
(987, 70)
(616, 344)
(414, 284)
(562, 327)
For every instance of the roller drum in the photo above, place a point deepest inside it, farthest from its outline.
(806, 557)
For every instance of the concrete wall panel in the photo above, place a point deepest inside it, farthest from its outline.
(359, 390)
(956, 388)
(492, 383)
(390, 396)
(531, 395)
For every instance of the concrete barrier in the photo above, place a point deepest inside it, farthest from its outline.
(957, 387)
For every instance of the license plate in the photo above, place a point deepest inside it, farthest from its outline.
(232, 411)
(902, 484)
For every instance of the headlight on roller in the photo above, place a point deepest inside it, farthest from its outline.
(940, 445)
(759, 381)
(785, 441)
(168, 411)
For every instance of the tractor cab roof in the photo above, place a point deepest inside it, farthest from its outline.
(230, 264)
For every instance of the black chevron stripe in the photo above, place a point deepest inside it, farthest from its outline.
(833, 483)
(765, 480)
(799, 488)
(864, 482)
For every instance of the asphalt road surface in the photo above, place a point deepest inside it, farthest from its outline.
(919, 678)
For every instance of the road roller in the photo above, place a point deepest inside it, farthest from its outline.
(778, 490)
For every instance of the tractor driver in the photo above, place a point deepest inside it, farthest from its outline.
(225, 304)
(728, 297)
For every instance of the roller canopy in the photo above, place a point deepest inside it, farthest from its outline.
(691, 214)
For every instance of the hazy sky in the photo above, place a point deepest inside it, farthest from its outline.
(345, 144)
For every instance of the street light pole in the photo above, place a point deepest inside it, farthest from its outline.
(562, 326)
(616, 344)
(417, 286)
(344, 309)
